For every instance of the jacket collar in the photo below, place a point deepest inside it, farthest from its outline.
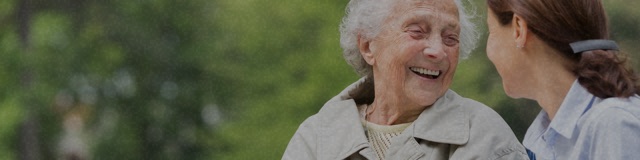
(342, 133)
(444, 122)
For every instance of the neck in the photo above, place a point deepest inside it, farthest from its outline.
(389, 106)
(390, 112)
(552, 94)
(553, 79)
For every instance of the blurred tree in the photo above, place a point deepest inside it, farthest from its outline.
(114, 80)
(288, 63)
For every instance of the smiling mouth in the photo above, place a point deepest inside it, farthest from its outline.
(426, 73)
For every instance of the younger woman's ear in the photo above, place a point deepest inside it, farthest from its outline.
(520, 31)
(365, 50)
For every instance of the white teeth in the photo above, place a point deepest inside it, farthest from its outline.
(425, 71)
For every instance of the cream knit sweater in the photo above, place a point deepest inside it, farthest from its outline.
(380, 136)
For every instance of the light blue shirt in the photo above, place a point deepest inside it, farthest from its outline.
(587, 127)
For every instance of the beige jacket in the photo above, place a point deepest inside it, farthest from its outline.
(453, 128)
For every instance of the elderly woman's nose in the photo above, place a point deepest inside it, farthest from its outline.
(434, 51)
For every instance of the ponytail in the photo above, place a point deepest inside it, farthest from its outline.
(607, 74)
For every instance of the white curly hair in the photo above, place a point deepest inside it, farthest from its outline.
(365, 17)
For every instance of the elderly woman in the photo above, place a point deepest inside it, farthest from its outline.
(407, 52)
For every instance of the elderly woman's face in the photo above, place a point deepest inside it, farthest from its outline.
(416, 53)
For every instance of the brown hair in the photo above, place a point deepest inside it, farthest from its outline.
(605, 73)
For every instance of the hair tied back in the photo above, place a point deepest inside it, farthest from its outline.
(594, 44)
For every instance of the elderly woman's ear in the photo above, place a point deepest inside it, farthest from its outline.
(365, 50)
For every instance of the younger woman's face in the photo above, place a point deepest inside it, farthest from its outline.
(503, 53)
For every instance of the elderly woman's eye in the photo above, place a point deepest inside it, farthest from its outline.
(451, 41)
(416, 34)
(415, 30)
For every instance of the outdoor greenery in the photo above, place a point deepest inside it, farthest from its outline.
(197, 79)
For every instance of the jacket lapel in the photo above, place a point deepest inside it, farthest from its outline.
(341, 133)
(444, 122)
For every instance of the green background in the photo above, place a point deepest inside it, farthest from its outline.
(197, 79)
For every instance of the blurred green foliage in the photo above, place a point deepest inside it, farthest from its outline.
(198, 79)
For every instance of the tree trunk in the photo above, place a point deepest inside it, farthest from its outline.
(29, 144)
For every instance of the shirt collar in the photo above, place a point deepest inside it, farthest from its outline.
(572, 108)
(543, 132)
